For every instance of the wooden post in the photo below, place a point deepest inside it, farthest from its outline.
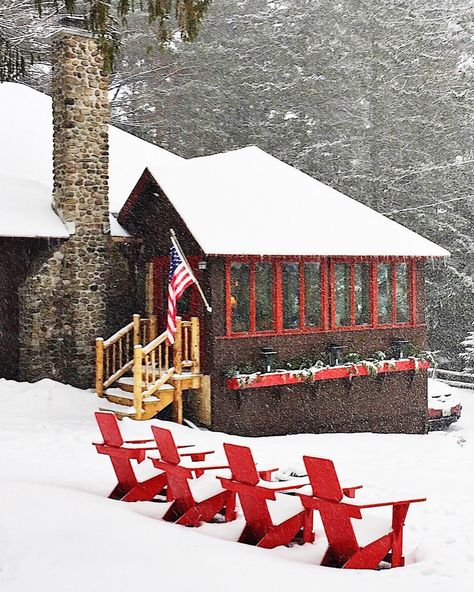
(137, 380)
(136, 330)
(204, 401)
(149, 290)
(99, 366)
(178, 347)
(195, 346)
(153, 327)
(178, 403)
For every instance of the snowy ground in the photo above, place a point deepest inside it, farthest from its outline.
(60, 533)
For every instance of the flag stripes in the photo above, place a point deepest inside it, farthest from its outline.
(180, 278)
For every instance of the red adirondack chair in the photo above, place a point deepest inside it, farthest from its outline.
(267, 524)
(195, 500)
(344, 549)
(122, 452)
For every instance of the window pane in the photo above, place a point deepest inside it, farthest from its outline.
(264, 296)
(343, 287)
(240, 296)
(312, 295)
(403, 307)
(362, 293)
(291, 295)
(384, 287)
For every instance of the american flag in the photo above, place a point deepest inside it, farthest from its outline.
(180, 278)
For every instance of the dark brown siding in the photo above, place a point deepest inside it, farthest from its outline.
(15, 257)
(390, 403)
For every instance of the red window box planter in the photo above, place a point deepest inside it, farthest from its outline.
(295, 376)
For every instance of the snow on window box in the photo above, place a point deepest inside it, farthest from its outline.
(287, 377)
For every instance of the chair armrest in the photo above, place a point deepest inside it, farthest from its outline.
(351, 491)
(198, 455)
(278, 485)
(382, 504)
(246, 488)
(266, 474)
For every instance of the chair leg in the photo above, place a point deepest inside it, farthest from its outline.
(230, 511)
(125, 477)
(147, 490)
(282, 534)
(204, 511)
(398, 520)
(371, 555)
(308, 532)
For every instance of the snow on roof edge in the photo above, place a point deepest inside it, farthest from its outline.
(403, 242)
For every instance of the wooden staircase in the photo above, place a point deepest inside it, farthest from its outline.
(138, 381)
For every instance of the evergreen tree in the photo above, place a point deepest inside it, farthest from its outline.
(468, 354)
(104, 17)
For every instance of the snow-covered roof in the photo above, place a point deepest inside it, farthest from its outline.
(248, 202)
(26, 209)
(26, 165)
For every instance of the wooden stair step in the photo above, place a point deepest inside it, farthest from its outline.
(120, 411)
(117, 395)
(126, 384)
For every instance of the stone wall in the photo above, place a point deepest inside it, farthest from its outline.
(63, 301)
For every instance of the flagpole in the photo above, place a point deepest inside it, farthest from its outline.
(175, 242)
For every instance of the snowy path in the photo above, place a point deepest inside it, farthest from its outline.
(59, 532)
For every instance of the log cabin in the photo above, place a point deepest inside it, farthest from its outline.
(294, 270)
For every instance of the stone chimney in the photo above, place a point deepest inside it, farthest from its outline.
(63, 302)
(80, 115)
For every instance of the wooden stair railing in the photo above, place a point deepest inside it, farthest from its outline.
(152, 365)
(151, 370)
(114, 356)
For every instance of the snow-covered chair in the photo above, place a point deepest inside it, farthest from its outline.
(195, 500)
(361, 545)
(122, 452)
(270, 519)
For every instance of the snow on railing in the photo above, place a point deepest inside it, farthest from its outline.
(467, 382)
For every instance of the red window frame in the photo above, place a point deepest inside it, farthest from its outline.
(327, 282)
(278, 328)
(351, 262)
(412, 283)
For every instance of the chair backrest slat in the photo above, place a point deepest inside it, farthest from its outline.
(241, 464)
(166, 445)
(109, 428)
(323, 478)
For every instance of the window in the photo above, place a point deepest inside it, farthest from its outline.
(291, 295)
(240, 297)
(362, 293)
(312, 295)
(394, 293)
(281, 295)
(274, 296)
(384, 293)
(402, 291)
(342, 290)
(264, 296)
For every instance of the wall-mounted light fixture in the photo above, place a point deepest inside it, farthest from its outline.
(202, 265)
(400, 348)
(335, 353)
(267, 359)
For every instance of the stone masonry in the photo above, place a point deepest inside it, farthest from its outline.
(63, 300)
